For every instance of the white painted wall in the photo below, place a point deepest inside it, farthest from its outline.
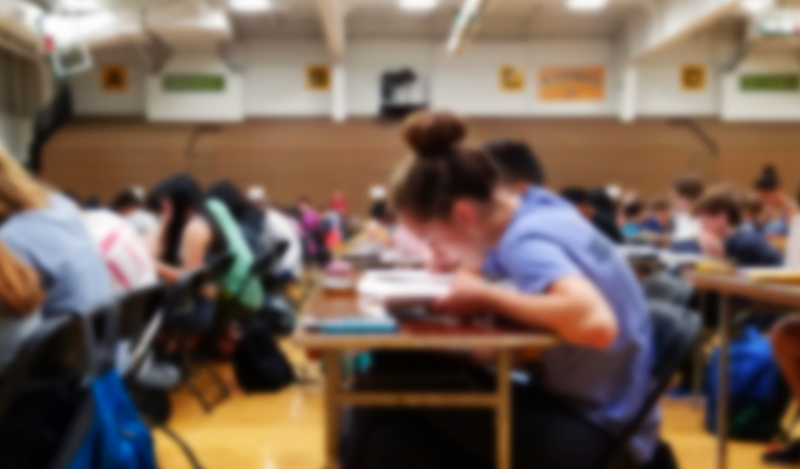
(89, 97)
(738, 105)
(224, 106)
(274, 78)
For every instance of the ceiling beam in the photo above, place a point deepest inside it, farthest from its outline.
(671, 21)
(331, 13)
(466, 24)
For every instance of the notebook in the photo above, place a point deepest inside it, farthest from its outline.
(404, 286)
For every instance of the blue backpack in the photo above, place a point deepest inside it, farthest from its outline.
(117, 438)
(758, 395)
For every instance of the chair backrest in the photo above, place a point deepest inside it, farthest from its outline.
(181, 298)
(676, 332)
(219, 265)
(666, 287)
(140, 318)
(59, 352)
(265, 263)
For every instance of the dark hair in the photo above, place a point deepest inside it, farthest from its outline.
(634, 209)
(93, 203)
(125, 200)
(768, 180)
(516, 160)
(379, 210)
(442, 170)
(689, 187)
(184, 193)
(722, 199)
(602, 201)
(576, 195)
(752, 205)
(227, 193)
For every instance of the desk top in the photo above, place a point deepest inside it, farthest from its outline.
(741, 287)
(323, 304)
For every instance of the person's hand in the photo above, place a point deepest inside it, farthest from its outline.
(468, 295)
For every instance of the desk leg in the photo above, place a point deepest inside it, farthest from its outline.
(503, 416)
(699, 362)
(722, 398)
(333, 411)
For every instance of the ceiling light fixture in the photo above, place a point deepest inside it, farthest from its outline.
(250, 6)
(757, 6)
(418, 5)
(79, 6)
(586, 5)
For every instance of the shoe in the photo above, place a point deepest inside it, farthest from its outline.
(789, 454)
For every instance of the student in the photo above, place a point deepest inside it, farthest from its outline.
(634, 219)
(46, 230)
(21, 296)
(659, 220)
(247, 215)
(569, 280)
(278, 226)
(185, 238)
(605, 224)
(720, 216)
(753, 214)
(778, 207)
(128, 205)
(518, 164)
(686, 191)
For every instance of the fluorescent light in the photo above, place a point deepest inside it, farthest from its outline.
(586, 5)
(418, 5)
(79, 6)
(250, 6)
(755, 6)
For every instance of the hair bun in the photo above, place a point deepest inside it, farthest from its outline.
(433, 135)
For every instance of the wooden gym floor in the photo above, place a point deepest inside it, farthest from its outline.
(285, 430)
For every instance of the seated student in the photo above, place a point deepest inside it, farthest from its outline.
(128, 205)
(569, 280)
(46, 230)
(686, 191)
(581, 200)
(247, 215)
(753, 214)
(125, 253)
(518, 164)
(634, 218)
(778, 206)
(278, 226)
(185, 238)
(21, 296)
(720, 216)
(660, 218)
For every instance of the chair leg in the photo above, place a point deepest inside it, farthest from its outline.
(187, 450)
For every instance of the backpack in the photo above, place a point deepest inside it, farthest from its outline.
(117, 439)
(758, 395)
(258, 362)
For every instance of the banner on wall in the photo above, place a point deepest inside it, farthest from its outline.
(512, 78)
(318, 77)
(193, 83)
(693, 77)
(770, 82)
(572, 83)
(114, 78)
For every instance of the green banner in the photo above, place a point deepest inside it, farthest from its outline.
(194, 83)
(778, 82)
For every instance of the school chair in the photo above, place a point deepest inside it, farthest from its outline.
(676, 331)
(46, 406)
(188, 314)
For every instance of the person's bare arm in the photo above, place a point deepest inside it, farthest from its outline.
(572, 308)
(194, 244)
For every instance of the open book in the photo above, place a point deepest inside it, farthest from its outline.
(404, 286)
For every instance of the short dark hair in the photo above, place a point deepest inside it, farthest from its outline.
(689, 187)
(516, 160)
(576, 195)
(752, 205)
(660, 204)
(634, 209)
(722, 199)
(124, 200)
(768, 180)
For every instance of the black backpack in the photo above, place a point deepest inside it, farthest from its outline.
(258, 362)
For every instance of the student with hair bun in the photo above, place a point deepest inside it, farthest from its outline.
(569, 279)
(778, 206)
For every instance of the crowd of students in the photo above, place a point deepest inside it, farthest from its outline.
(483, 212)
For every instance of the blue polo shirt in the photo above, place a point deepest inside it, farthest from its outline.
(548, 240)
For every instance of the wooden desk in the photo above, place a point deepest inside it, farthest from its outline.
(730, 286)
(323, 305)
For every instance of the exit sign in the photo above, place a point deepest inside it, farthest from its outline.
(194, 83)
(770, 82)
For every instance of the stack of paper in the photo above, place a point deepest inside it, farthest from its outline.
(404, 286)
